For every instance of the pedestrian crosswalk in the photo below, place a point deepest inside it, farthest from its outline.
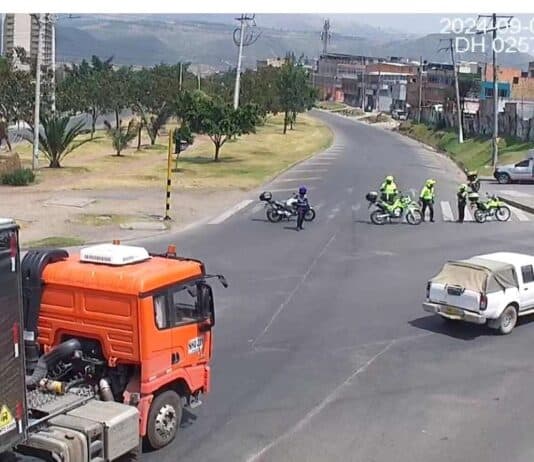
(447, 213)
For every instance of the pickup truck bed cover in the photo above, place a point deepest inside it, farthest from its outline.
(478, 274)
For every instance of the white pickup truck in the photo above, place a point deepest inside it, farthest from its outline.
(520, 171)
(495, 288)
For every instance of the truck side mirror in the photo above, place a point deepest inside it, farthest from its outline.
(205, 302)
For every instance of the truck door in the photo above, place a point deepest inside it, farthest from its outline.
(190, 343)
(522, 171)
(526, 291)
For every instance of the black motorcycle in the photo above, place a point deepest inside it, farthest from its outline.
(277, 210)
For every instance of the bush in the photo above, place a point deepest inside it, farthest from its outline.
(19, 177)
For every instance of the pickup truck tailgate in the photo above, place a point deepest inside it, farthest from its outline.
(455, 296)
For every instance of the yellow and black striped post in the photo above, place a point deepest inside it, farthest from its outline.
(169, 178)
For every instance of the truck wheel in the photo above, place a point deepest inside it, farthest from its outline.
(503, 178)
(164, 419)
(507, 320)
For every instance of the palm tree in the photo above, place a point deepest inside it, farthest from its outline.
(57, 138)
(121, 136)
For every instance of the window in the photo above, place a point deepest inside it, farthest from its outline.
(178, 305)
(160, 311)
(516, 80)
(527, 273)
(185, 304)
(523, 163)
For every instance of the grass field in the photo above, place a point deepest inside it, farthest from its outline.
(244, 163)
(252, 159)
(473, 153)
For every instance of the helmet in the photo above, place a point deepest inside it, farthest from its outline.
(389, 179)
(463, 187)
(302, 190)
(430, 182)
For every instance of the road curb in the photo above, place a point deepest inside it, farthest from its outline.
(517, 205)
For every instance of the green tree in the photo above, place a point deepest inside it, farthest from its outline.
(220, 121)
(294, 91)
(57, 138)
(121, 135)
(80, 90)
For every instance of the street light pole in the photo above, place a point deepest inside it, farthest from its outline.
(36, 116)
(495, 94)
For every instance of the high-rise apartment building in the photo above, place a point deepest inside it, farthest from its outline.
(22, 31)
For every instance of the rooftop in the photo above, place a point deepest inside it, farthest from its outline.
(133, 279)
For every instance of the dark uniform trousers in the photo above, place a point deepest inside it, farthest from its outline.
(427, 203)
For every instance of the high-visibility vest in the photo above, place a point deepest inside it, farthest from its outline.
(427, 193)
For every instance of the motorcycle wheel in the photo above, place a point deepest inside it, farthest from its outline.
(273, 216)
(480, 216)
(503, 213)
(378, 217)
(310, 215)
(414, 217)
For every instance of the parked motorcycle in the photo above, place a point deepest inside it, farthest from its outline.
(473, 182)
(491, 208)
(278, 210)
(403, 207)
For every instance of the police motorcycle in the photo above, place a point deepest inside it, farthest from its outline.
(278, 210)
(473, 182)
(491, 208)
(402, 207)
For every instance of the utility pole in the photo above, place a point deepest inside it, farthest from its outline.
(198, 77)
(456, 89)
(242, 38)
(181, 77)
(36, 116)
(378, 92)
(420, 89)
(242, 27)
(494, 17)
(326, 36)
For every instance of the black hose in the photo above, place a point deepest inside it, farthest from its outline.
(50, 359)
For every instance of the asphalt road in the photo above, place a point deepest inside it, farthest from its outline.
(322, 350)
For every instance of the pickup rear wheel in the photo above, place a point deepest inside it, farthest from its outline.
(164, 419)
(507, 320)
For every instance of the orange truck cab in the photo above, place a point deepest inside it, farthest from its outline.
(144, 323)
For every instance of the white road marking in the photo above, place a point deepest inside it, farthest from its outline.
(306, 178)
(233, 210)
(521, 216)
(349, 190)
(294, 291)
(319, 170)
(330, 398)
(318, 206)
(257, 208)
(468, 216)
(446, 211)
(333, 213)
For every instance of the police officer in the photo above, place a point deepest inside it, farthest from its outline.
(427, 199)
(389, 190)
(302, 206)
(461, 195)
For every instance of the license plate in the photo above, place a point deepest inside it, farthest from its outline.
(451, 311)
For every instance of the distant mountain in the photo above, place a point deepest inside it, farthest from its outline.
(207, 39)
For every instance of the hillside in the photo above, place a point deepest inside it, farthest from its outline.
(207, 39)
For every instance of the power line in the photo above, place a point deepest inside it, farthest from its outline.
(494, 17)
(456, 87)
(243, 38)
